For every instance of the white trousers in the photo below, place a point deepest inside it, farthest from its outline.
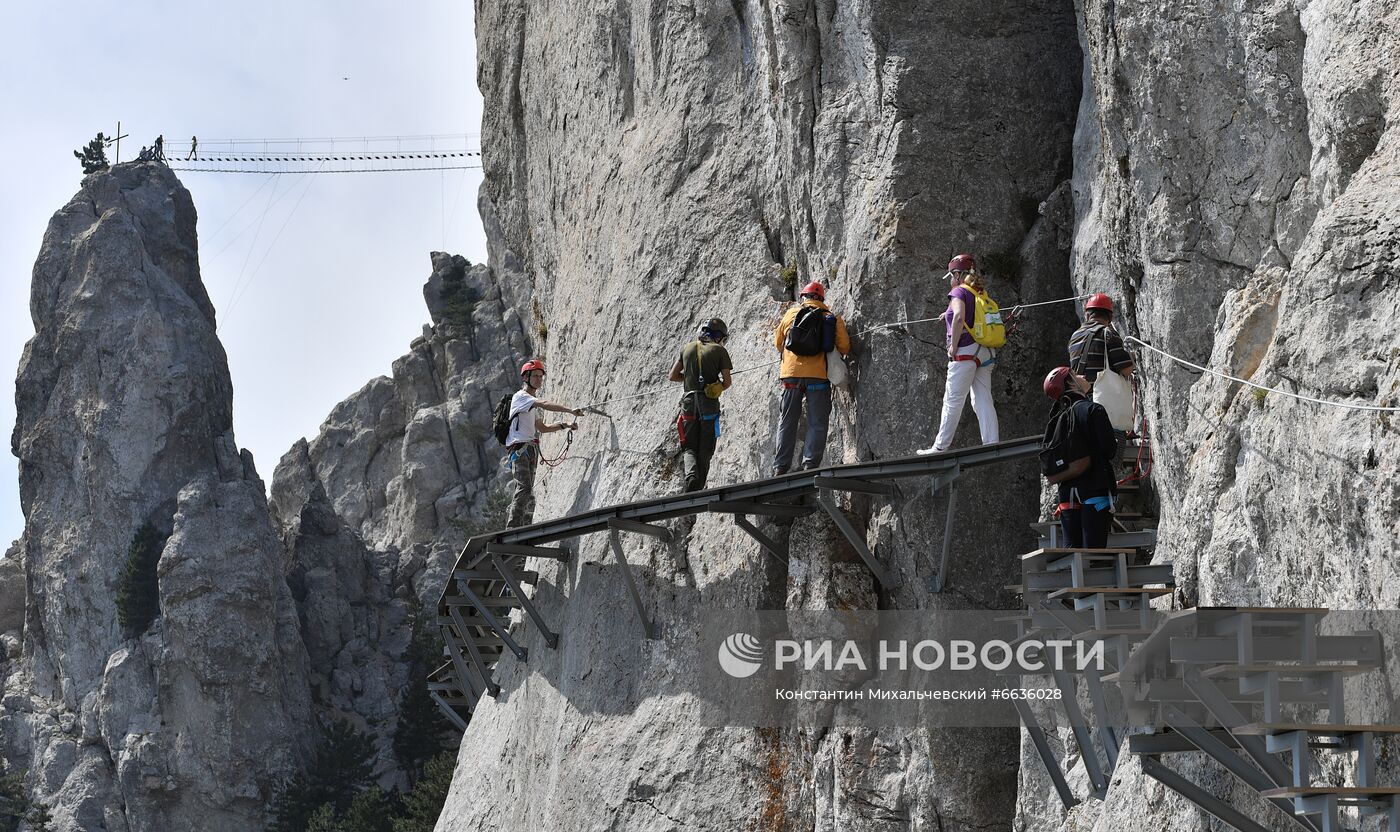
(965, 376)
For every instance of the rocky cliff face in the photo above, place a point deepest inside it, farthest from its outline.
(375, 508)
(272, 616)
(124, 418)
(1235, 180)
(662, 164)
(1230, 180)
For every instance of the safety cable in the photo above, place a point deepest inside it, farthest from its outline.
(1299, 396)
(663, 388)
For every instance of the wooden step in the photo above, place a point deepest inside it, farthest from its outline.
(1141, 574)
(1363, 792)
(524, 576)
(1266, 729)
(1231, 670)
(1109, 590)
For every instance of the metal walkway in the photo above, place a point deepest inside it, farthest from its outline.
(488, 581)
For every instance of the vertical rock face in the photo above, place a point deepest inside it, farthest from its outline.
(1251, 216)
(1235, 181)
(649, 165)
(124, 418)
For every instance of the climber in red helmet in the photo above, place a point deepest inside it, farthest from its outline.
(523, 442)
(1097, 353)
(806, 337)
(969, 363)
(1080, 442)
(1096, 345)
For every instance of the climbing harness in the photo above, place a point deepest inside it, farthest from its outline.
(868, 330)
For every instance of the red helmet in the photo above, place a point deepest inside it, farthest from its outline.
(532, 364)
(962, 263)
(814, 288)
(1055, 382)
(1100, 301)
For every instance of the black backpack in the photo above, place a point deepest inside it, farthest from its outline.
(808, 332)
(500, 420)
(1059, 444)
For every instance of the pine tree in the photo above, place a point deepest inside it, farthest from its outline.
(341, 767)
(421, 730)
(138, 590)
(323, 820)
(93, 157)
(370, 811)
(422, 806)
(14, 805)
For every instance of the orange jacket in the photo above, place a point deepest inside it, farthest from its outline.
(807, 366)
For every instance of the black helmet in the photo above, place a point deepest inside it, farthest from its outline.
(714, 329)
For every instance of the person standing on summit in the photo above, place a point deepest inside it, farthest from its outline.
(969, 362)
(523, 440)
(805, 337)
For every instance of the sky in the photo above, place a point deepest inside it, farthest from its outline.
(316, 279)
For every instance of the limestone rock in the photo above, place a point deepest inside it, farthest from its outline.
(655, 173)
(124, 417)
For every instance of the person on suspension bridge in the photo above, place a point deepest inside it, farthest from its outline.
(526, 419)
(975, 334)
(1097, 353)
(1077, 456)
(806, 337)
(705, 369)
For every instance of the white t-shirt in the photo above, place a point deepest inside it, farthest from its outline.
(522, 419)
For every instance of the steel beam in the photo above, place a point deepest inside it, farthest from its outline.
(1070, 699)
(491, 621)
(1042, 747)
(1209, 802)
(1222, 753)
(940, 581)
(449, 711)
(647, 628)
(503, 568)
(466, 682)
(662, 534)
(825, 500)
(768, 545)
(478, 661)
(1230, 717)
(828, 483)
(1107, 735)
(759, 509)
(552, 552)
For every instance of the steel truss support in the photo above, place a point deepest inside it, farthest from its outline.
(946, 479)
(1069, 693)
(772, 547)
(648, 629)
(488, 685)
(491, 621)
(550, 637)
(1153, 768)
(449, 711)
(1042, 746)
(827, 500)
(1222, 753)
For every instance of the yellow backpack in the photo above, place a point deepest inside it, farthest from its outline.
(985, 326)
